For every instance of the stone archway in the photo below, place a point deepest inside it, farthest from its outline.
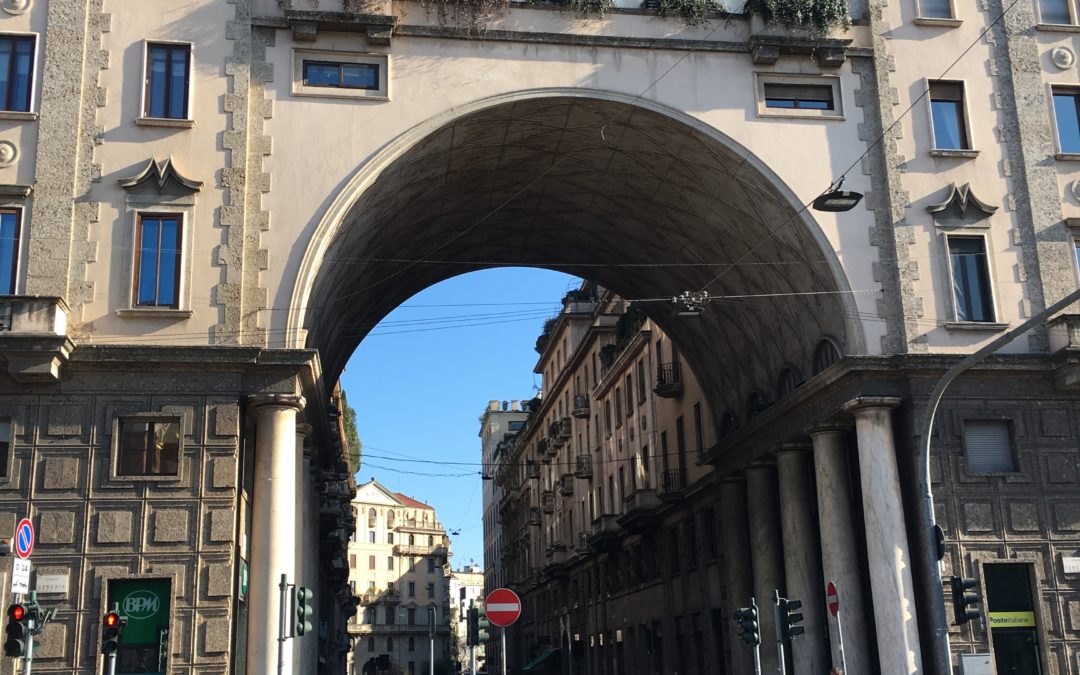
(639, 198)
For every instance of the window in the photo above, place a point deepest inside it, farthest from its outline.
(1055, 12)
(7, 434)
(372, 518)
(352, 561)
(390, 644)
(336, 74)
(1067, 119)
(16, 72)
(371, 537)
(970, 275)
(988, 446)
(148, 447)
(947, 114)
(371, 562)
(390, 563)
(641, 381)
(431, 590)
(168, 69)
(826, 354)
(342, 75)
(390, 616)
(412, 648)
(412, 615)
(157, 260)
(412, 589)
(699, 431)
(799, 96)
(618, 407)
(9, 250)
(389, 537)
(371, 645)
(629, 395)
(787, 382)
(709, 533)
(517, 425)
(935, 9)
(431, 565)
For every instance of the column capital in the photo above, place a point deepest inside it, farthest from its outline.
(736, 478)
(760, 465)
(790, 447)
(294, 401)
(827, 428)
(304, 429)
(869, 402)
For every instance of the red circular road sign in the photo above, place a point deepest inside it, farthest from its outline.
(24, 538)
(503, 607)
(832, 598)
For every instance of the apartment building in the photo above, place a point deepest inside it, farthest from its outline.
(466, 591)
(399, 568)
(498, 421)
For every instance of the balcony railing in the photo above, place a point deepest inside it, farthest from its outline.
(34, 337)
(532, 469)
(547, 501)
(669, 383)
(420, 549)
(672, 482)
(581, 406)
(566, 485)
(563, 429)
(583, 466)
(534, 515)
(391, 595)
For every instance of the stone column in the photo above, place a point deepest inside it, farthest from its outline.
(273, 529)
(802, 558)
(887, 547)
(738, 574)
(766, 552)
(839, 555)
(307, 544)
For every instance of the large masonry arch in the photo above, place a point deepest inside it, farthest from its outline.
(637, 197)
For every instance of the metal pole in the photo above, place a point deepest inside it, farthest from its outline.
(283, 589)
(840, 640)
(28, 661)
(779, 634)
(757, 643)
(504, 650)
(431, 635)
(933, 592)
(472, 659)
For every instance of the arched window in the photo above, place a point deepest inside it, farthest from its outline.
(372, 518)
(430, 540)
(826, 354)
(755, 404)
(412, 540)
(729, 423)
(787, 382)
(390, 520)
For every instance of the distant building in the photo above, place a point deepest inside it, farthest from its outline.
(466, 590)
(497, 423)
(398, 562)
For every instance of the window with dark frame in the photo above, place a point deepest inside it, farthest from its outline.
(1055, 12)
(148, 447)
(158, 243)
(935, 9)
(970, 278)
(9, 250)
(988, 447)
(342, 75)
(168, 74)
(6, 434)
(629, 394)
(1067, 116)
(947, 113)
(799, 96)
(642, 385)
(699, 430)
(16, 72)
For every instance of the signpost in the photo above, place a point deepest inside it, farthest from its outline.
(503, 607)
(832, 599)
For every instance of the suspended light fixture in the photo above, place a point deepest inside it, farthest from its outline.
(836, 200)
(690, 304)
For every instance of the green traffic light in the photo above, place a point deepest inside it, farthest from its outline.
(302, 601)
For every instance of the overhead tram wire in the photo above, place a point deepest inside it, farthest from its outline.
(870, 148)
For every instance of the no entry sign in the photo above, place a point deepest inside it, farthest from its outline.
(503, 607)
(832, 598)
(24, 538)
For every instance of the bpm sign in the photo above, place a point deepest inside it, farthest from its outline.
(140, 605)
(144, 604)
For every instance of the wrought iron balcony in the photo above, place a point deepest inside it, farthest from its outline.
(640, 509)
(33, 337)
(547, 501)
(388, 595)
(566, 485)
(581, 406)
(583, 466)
(437, 550)
(563, 429)
(604, 533)
(672, 483)
(669, 383)
(532, 469)
(534, 515)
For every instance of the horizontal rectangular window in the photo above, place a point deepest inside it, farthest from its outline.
(9, 250)
(16, 72)
(149, 447)
(347, 75)
(799, 96)
(988, 446)
(1067, 118)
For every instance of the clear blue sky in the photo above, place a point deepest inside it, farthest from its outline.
(423, 377)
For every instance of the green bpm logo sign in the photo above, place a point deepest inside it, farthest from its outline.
(141, 605)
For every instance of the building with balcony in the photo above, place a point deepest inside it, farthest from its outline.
(399, 569)
(499, 423)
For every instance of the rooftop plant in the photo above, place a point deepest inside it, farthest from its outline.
(816, 16)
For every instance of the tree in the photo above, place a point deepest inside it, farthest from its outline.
(352, 438)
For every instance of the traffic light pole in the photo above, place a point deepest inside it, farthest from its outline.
(779, 633)
(28, 660)
(504, 650)
(431, 636)
(282, 632)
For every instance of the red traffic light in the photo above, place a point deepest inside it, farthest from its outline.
(17, 612)
(112, 619)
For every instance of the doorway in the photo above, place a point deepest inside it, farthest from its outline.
(1011, 612)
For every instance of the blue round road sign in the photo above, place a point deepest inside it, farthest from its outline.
(24, 538)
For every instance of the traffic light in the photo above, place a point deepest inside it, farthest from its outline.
(302, 597)
(483, 627)
(965, 601)
(111, 625)
(17, 631)
(471, 629)
(746, 618)
(790, 618)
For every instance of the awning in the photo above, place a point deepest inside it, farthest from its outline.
(540, 659)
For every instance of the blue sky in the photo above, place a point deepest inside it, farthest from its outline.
(423, 377)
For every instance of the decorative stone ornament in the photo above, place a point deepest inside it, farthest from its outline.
(1074, 189)
(961, 202)
(8, 153)
(15, 6)
(1062, 57)
(161, 175)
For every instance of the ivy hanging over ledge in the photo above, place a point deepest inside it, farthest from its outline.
(816, 16)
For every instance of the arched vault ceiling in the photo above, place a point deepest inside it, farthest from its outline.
(588, 187)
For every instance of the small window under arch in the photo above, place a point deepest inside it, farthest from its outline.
(787, 382)
(389, 520)
(826, 354)
(372, 518)
(755, 404)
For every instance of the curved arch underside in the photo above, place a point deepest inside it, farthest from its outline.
(629, 198)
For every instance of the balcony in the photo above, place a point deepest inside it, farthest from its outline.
(566, 485)
(672, 484)
(437, 550)
(425, 526)
(544, 450)
(563, 429)
(583, 466)
(534, 515)
(33, 337)
(581, 406)
(583, 543)
(387, 595)
(547, 501)
(669, 382)
(640, 509)
(532, 469)
(604, 533)
(1064, 333)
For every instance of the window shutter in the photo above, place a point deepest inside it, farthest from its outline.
(988, 445)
